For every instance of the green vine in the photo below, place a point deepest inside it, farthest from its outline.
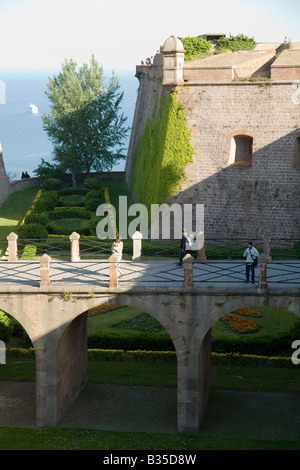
(163, 151)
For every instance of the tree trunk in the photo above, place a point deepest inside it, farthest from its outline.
(74, 182)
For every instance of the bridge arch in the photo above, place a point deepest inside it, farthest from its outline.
(54, 321)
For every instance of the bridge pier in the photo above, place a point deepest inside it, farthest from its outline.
(56, 321)
(193, 387)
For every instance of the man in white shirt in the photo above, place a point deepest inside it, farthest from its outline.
(250, 254)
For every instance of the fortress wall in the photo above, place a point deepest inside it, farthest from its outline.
(240, 201)
(243, 200)
(149, 93)
(285, 73)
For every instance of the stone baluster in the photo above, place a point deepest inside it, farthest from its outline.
(201, 253)
(267, 247)
(113, 273)
(262, 266)
(45, 271)
(137, 246)
(188, 262)
(75, 252)
(12, 247)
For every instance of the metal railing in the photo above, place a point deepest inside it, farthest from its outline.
(62, 248)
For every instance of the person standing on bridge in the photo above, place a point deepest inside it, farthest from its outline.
(117, 248)
(182, 247)
(251, 254)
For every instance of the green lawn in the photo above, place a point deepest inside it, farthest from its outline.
(150, 374)
(14, 210)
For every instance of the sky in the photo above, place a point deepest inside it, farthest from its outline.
(41, 34)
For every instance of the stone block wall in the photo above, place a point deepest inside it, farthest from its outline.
(252, 199)
(241, 200)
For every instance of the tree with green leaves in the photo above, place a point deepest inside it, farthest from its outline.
(85, 123)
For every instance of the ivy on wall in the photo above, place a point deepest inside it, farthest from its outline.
(162, 153)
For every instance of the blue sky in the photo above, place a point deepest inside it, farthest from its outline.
(40, 34)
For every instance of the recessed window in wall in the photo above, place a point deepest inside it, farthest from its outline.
(296, 159)
(241, 148)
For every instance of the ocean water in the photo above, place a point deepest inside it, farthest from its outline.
(24, 142)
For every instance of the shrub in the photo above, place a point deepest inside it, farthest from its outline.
(130, 341)
(52, 183)
(93, 224)
(71, 191)
(236, 43)
(32, 231)
(92, 183)
(47, 201)
(195, 47)
(68, 220)
(69, 213)
(40, 218)
(93, 199)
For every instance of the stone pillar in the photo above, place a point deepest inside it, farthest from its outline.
(45, 270)
(2, 352)
(194, 385)
(12, 247)
(262, 266)
(188, 261)
(113, 274)
(137, 246)
(75, 252)
(201, 254)
(267, 247)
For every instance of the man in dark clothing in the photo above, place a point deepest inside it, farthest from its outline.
(182, 247)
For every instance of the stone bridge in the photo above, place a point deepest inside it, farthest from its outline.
(50, 299)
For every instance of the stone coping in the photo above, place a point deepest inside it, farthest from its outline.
(92, 289)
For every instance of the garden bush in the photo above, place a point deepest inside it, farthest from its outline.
(92, 183)
(52, 183)
(236, 43)
(195, 47)
(40, 218)
(47, 202)
(64, 221)
(69, 213)
(32, 231)
(93, 199)
(130, 341)
(262, 346)
(71, 191)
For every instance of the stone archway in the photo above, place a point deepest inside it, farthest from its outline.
(49, 317)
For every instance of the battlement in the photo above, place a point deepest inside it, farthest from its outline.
(272, 61)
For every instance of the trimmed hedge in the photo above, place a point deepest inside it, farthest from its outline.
(47, 201)
(32, 231)
(130, 340)
(170, 356)
(261, 346)
(40, 218)
(52, 183)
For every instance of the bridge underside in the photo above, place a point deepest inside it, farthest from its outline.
(55, 319)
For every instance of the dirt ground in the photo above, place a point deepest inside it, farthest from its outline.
(131, 408)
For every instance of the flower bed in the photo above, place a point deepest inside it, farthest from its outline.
(241, 325)
(103, 309)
